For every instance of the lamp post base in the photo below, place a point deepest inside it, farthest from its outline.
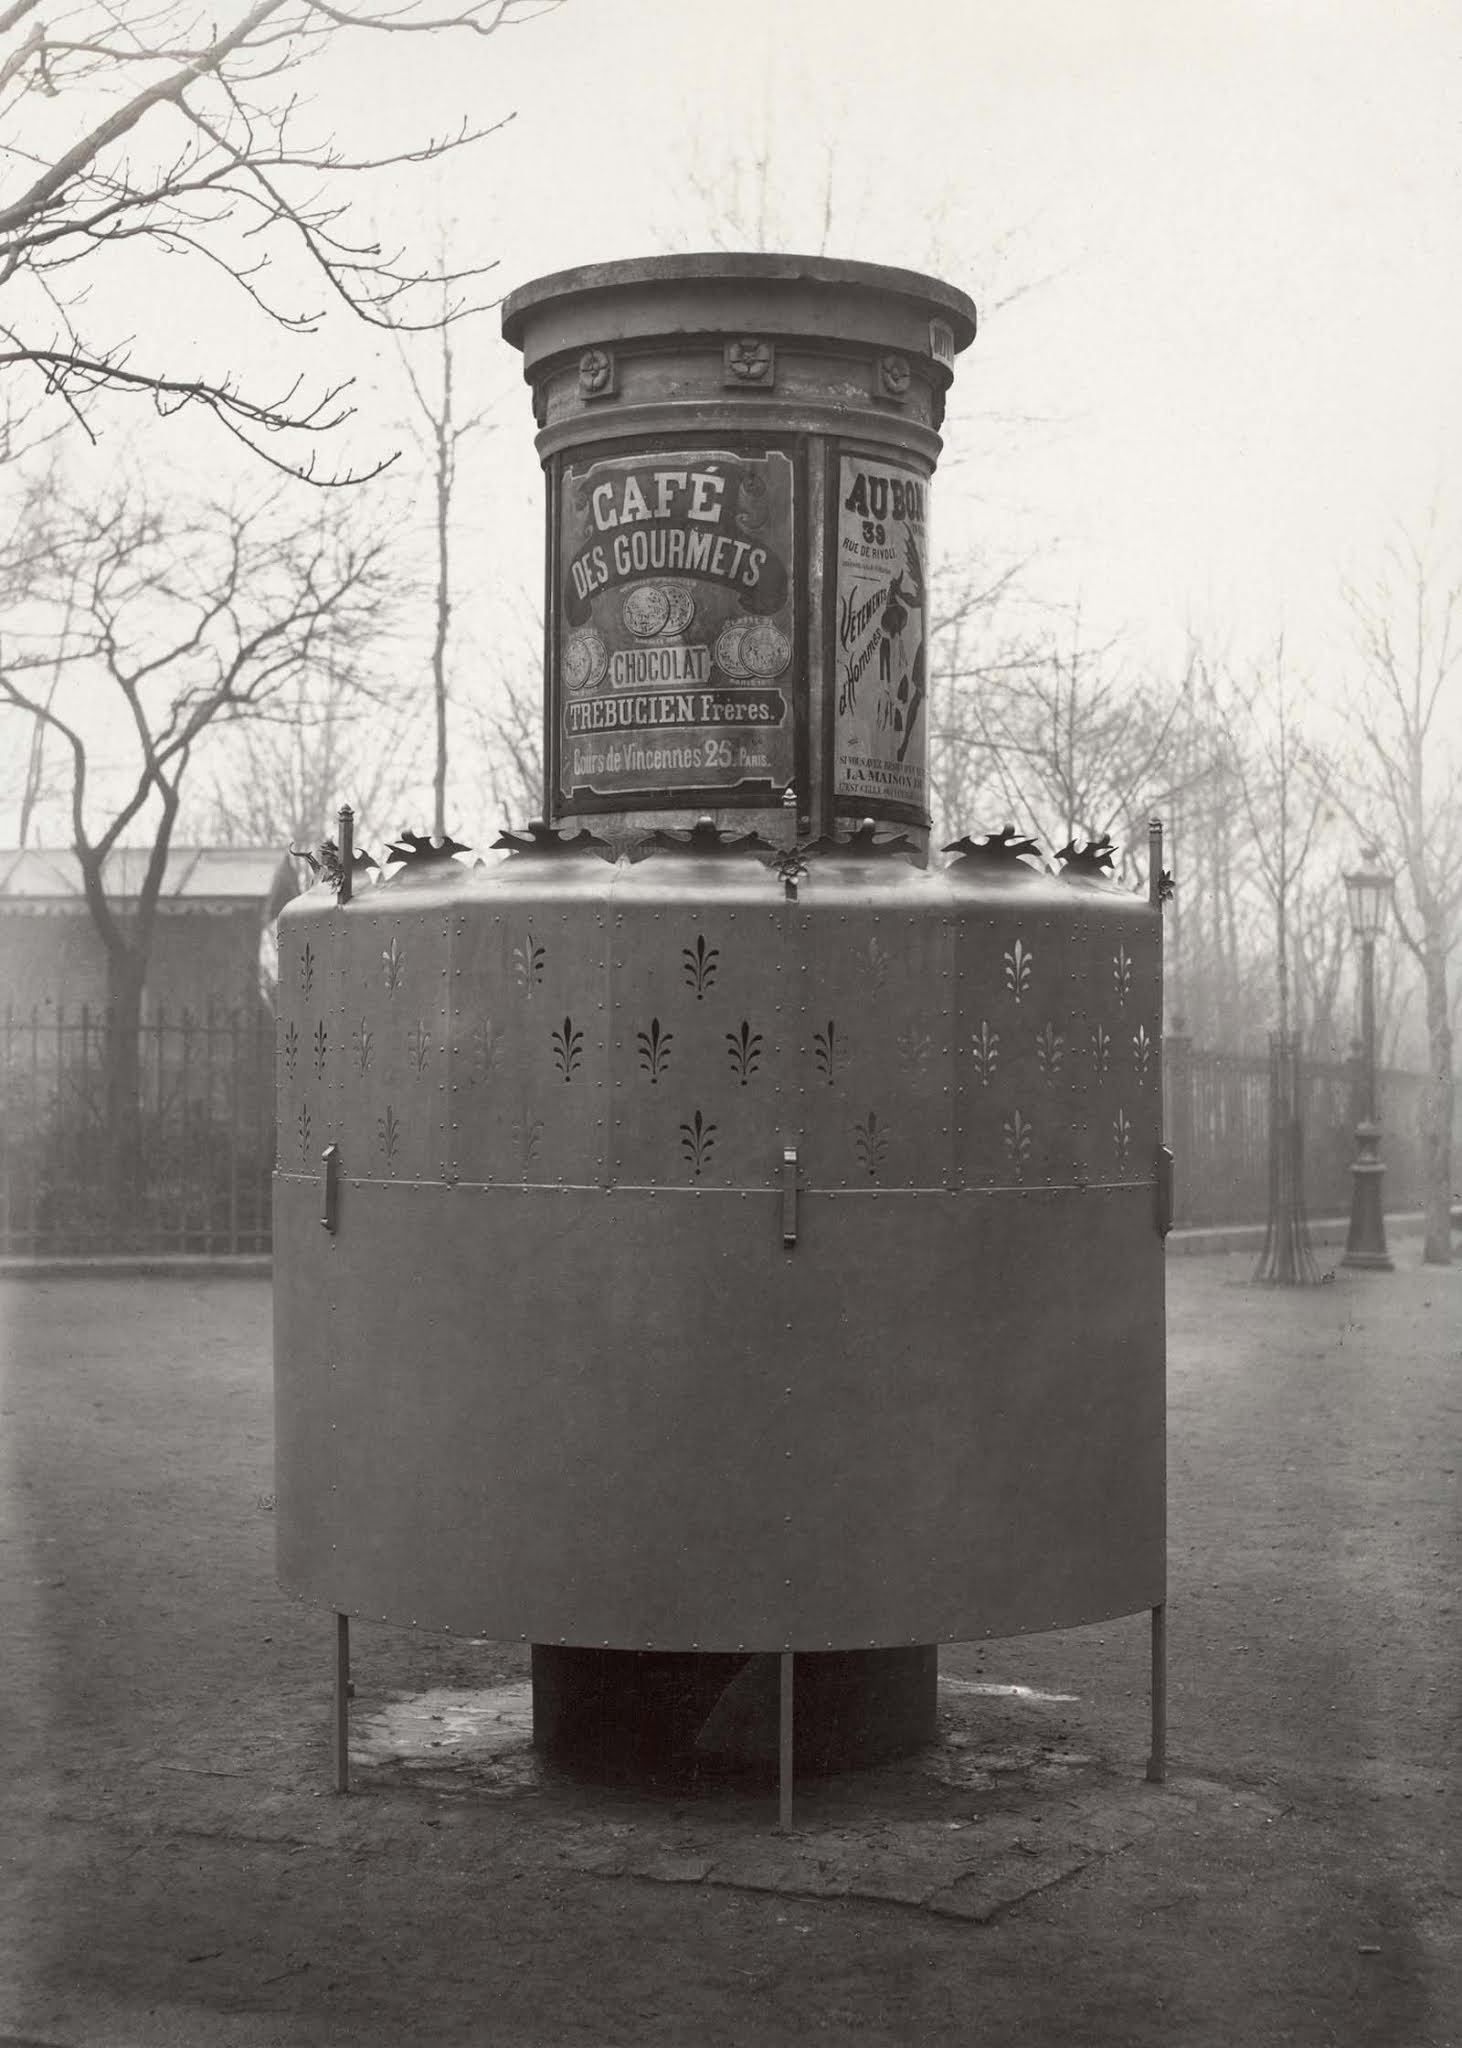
(1365, 1246)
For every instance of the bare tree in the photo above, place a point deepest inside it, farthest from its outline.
(180, 620)
(332, 736)
(1405, 782)
(443, 429)
(183, 136)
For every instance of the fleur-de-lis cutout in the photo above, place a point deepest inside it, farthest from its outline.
(985, 1047)
(388, 1133)
(697, 1141)
(568, 1048)
(1016, 1132)
(916, 1048)
(1122, 973)
(1101, 1048)
(829, 1051)
(877, 959)
(528, 1132)
(304, 1131)
(1018, 969)
(322, 1049)
(418, 1045)
(361, 1041)
(528, 962)
(307, 970)
(1050, 1049)
(486, 1046)
(700, 963)
(393, 962)
(1121, 1137)
(871, 1139)
(1141, 1051)
(654, 1046)
(291, 1050)
(743, 1048)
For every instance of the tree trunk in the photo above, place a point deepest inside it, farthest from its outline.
(123, 1095)
(1437, 1106)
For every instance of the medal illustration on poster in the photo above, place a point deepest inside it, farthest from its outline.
(676, 625)
(881, 747)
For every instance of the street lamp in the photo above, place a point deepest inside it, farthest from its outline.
(1368, 895)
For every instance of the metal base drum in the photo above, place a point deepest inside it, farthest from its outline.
(656, 1719)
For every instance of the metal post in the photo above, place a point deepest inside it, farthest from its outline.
(1365, 1244)
(1157, 1762)
(341, 1720)
(784, 1745)
(346, 842)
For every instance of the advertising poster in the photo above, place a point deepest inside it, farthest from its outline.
(881, 745)
(676, 630)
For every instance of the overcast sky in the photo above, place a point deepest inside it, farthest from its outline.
(1217, 245)
(1236, 227)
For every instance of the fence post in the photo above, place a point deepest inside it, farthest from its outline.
(1177, 1075)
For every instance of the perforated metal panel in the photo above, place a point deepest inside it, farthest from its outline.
(558, 1373)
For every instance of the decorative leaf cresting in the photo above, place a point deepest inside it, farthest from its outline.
(1050, 1050)
(322, 1049)
(1101, 1048)
(743, 1049)
(1141, 1051)
(701, 962)
(393, 962)
(871, 1139)
(985, 1049)
(1122, 973)
(568, 1048)
(388, 1133)
(1122, 1137)
(697, 1141)
(291, 1049)
(654, 1046)
(304, 1131)
(307, 970)
(1018, 969)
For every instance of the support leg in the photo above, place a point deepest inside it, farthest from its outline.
(1157, 1762)
(341, 1719)
(784, 1745)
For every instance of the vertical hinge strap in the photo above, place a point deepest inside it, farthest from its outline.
(330, 1188)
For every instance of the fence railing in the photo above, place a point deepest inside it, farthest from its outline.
(1216, 1112)
(205, 1161)
(201, 1178)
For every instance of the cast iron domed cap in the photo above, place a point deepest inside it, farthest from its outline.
(716, 292)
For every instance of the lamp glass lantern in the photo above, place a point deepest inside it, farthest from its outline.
(1368, 893)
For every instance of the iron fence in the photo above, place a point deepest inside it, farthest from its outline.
(206, 1135)
(1216, 1108)
(201, 1179)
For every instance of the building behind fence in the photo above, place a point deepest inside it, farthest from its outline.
(207, 1135)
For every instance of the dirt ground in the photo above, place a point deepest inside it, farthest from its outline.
(175, 1870)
